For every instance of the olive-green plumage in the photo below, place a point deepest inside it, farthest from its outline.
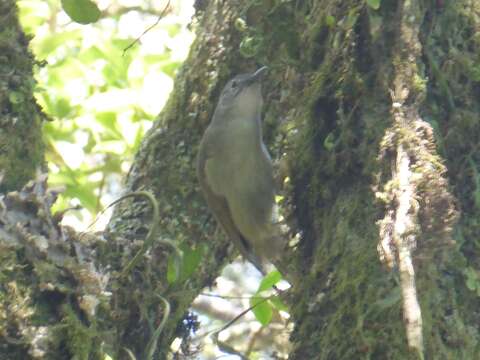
(235, 170)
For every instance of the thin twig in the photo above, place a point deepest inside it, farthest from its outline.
(232, 297)
(162, 14)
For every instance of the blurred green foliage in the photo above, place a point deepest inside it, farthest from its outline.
(374, 4)
(101, 98)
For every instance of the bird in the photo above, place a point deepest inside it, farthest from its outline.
(235, 171)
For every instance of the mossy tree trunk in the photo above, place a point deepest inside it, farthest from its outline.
(365, 109)
(21, 143)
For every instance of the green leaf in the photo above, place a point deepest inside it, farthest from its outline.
(64, 178)
(269, 280)
(191, 260)
(62, 108)
(85, 193)
(81, 11)
(172, 275)
(49, 44)
(173, 29)
(262, 310)
(32, 15)
(279, 304)
(108, 120)
(374, 4)
(170, 67)
(92, 54)
(154, 59)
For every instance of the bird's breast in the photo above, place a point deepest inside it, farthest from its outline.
(241, 162)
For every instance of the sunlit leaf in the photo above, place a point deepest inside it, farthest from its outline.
(269, 280)
(171, 67)
(33, 14)
(279, 304)
(262, 310)
(61, 108)
(83, 71)
(153, 59)
(57, 133)
(85, 193)
(92, 54)
(110, 144)
(173, 29)
(81, 11)
(49, 44)
(108, 120)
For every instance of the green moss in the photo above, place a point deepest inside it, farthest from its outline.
(452, 46)
(20, 136)
(349, 304)
(419, 84)
(16, 302)
(78, 337)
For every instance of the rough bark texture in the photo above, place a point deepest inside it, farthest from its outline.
(351, 91)
(21, 143)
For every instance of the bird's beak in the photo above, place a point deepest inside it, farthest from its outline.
(257, 75)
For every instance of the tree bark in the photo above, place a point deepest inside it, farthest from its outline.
(21, 144)
(364, 111)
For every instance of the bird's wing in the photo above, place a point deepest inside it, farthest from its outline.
(219, 206)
